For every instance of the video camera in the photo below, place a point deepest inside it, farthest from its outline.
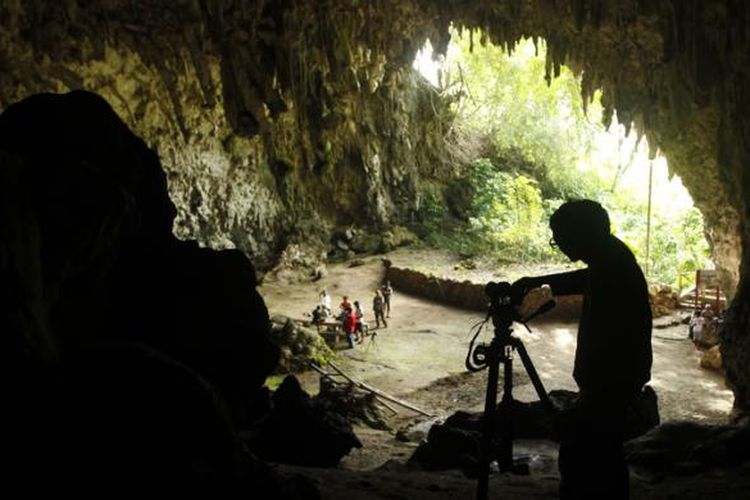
(505, 304)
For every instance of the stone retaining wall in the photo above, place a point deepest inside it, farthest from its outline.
(465, 294)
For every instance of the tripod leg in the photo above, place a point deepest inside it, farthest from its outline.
(533, 375)
(490, 403)
(505, 453)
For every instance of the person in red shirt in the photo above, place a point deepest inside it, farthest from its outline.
(350, 325)
(345, 304)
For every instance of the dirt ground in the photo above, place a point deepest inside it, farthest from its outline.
(420, 356)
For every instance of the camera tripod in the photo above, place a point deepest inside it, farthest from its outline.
(502, 310)
(372, 334)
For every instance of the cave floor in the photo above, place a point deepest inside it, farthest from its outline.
(419, 358)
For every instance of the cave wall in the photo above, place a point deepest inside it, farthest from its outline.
(278, 121)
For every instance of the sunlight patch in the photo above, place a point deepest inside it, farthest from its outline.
(720, 405)
(563, 337)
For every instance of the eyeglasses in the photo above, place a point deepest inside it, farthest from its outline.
(552, 242)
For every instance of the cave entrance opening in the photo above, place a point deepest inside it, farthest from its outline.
(527, 143)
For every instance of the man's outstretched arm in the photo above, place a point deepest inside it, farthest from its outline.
(568, 283)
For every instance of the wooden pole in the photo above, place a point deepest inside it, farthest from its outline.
(378, 392)
(331, 375)
(697, 286)
(648, 216)
(385, 403)
(325, 374)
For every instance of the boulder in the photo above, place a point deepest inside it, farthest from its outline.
(674, 446)
(138, 423)
(664, 300)
(395, 237)
(417, 431)
(354, 404)
(448, 445)
(298, 262)
(319, 272)
(300, 430)
(366, 241)
(299, 345)
(202, 308)
(711, 359)
(129, 357)
(709, 336)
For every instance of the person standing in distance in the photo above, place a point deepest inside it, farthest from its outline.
(387, 291)
(378, 307)
(613, 351)
(325, 302)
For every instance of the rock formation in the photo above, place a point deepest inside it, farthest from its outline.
(456, 443)
(130, 358)
(280, 122)
(276, 121)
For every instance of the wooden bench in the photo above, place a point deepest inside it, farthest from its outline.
(331, 328)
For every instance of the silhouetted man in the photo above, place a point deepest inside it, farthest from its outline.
(613, 352)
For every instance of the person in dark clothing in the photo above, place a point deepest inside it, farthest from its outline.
(387, 291)
(613, 351)
(317, 315)
(378, 307)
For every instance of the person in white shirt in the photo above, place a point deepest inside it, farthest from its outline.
(325, 301)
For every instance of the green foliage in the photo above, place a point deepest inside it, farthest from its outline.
(274, 381)
(431, 213)
(436, 226)
(526, 120)
(505, 214)
(538, 147)
(508, 215)
(677, 245)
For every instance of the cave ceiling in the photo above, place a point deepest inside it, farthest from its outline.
(276, 96)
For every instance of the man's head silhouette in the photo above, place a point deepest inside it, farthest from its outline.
(579, 228)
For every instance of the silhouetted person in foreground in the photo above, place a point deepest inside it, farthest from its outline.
(613, 352)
